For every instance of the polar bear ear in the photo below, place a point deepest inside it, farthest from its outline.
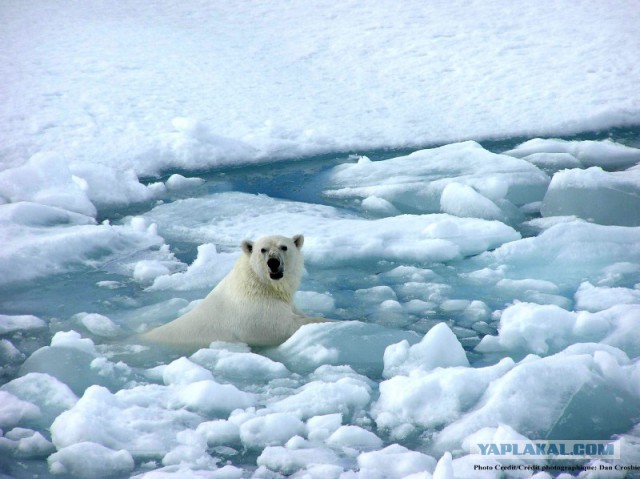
(247, 247)
(298, 240)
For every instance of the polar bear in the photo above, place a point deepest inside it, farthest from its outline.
(253, 304)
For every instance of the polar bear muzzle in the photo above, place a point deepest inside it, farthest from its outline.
(276, 271)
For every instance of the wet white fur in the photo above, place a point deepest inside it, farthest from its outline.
(247, 305)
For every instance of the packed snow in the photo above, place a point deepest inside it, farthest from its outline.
(467, 178)
(202, 84)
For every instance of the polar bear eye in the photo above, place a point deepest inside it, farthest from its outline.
(263, 250)
(283, 248)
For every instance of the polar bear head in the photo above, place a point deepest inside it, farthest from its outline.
(276, 259)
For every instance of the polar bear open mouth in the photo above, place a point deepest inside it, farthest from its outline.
(276, 268)
(277, 275)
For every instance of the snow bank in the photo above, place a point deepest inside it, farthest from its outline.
(87, 460)
(430, 400)
(178, 182)
(183, 471)
(347, 396)
(45, 179)
(137, 420)
(183, 371)
(332, 236)
(206, 271)
(211, 399)
(597, 298)
(25, 213)
(317, 422)
(25, 443)
(595, 195)
(426, 238)
(13, 410)
(354, 437)
(581, 378)
(287, 460)
(462, 200)
(430, 384)
(52, 180)
(73, 340)
(238, 216)
(9, 324)
(332, 343)
(219, 432)
(110, 187)
(128, 94)
(538, 329)
(438, 348)
(546, 329)
(462, 179)
(98, 324)
(48, 394)
(75, 362)
(270, 430)
(565, 254)
(34, 251)
(192, 145)
(394, 461)
(605, 154)
(460, 400)
(596, 370)
(236, 362)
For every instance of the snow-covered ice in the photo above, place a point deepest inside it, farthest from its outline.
(346, 237)
(90, 460)
(463, 179)
(610, 198)
(587, 153)
(579, 381)
(446, 321)
(207, 84)
(466, 175)
(9, 324)
(55, 242)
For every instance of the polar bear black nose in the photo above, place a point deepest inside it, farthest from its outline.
(273, 264)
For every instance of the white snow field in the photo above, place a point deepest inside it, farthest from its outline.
(467, 178)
